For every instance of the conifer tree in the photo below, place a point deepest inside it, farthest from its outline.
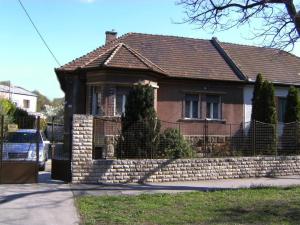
(292, 112)
(140, 128)
(291, 131)
(256, 111)
(266, 125)
(267, 103)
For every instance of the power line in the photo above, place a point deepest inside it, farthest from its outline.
(40, 35)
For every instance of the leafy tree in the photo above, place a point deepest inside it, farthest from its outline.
(140, 128)
(6, 83)
(42, 100)
(173, 145)
(279, 19)
(291, 131)
(7, 109)
(58, 102)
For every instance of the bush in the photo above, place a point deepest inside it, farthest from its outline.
(173, 145)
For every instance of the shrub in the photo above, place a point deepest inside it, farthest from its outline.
(173, 145)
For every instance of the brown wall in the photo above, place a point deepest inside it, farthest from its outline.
(171, 94)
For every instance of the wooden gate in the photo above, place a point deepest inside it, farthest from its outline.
(19, 150)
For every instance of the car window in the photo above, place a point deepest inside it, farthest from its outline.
(22, 137)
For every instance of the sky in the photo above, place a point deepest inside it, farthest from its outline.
(74, 27)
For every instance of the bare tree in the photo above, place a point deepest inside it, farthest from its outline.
(279, 20)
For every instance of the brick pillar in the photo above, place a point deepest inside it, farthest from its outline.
(82, 147)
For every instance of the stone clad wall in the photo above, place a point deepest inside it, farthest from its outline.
(87, 170)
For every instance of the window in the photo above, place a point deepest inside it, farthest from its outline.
(26, 104)
(121, 96)
(120, 104)
(281, 109)
(213, 107)
(192, 106)
(95, 101)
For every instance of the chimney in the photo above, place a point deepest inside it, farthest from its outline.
(110, 35)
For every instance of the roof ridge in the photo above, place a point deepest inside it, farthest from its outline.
(143, 59)
(117, 48)
(95, 58)
(228, 59)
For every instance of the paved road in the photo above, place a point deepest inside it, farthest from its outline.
(46, 203)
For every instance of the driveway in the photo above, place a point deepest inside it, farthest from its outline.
(46, 203)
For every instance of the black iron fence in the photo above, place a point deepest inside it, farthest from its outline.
(55, 134)
(187, 139)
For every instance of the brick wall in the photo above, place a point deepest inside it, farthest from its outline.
(87, 170)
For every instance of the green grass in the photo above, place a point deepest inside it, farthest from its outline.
(245, 206)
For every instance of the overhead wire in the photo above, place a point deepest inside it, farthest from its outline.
(39, 33)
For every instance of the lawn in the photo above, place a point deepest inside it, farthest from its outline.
(245, 206)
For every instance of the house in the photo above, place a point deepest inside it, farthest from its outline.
(21, 97)
(195, 80)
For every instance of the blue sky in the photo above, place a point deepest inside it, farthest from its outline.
(75, 27)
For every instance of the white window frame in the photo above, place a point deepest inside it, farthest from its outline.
(211, 105)
(27, 102)
(95, 100)
(191, 107)
(124, 99)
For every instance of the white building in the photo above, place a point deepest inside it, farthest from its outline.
(21, 97)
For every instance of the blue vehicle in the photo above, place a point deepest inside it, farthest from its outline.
(22, 145)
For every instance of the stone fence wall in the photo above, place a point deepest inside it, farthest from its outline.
(87, 170)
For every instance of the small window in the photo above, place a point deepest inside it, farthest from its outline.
(281, 109)
(120, 103)
(191, 106)
(26, 104)
(95, 101)
(213, 107)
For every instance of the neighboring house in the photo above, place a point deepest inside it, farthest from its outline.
(194, 79)
(21, 97)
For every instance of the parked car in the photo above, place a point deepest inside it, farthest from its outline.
(22, 145)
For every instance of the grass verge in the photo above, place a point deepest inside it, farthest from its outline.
(244, 206)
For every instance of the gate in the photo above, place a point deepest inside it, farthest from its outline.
(60, 153)
(22, 150)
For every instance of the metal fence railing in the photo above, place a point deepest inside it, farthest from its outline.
(55, 134)
(162, 139)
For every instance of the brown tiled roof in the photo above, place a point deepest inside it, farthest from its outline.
(172, 56)
(277, 66)
(190, 58)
